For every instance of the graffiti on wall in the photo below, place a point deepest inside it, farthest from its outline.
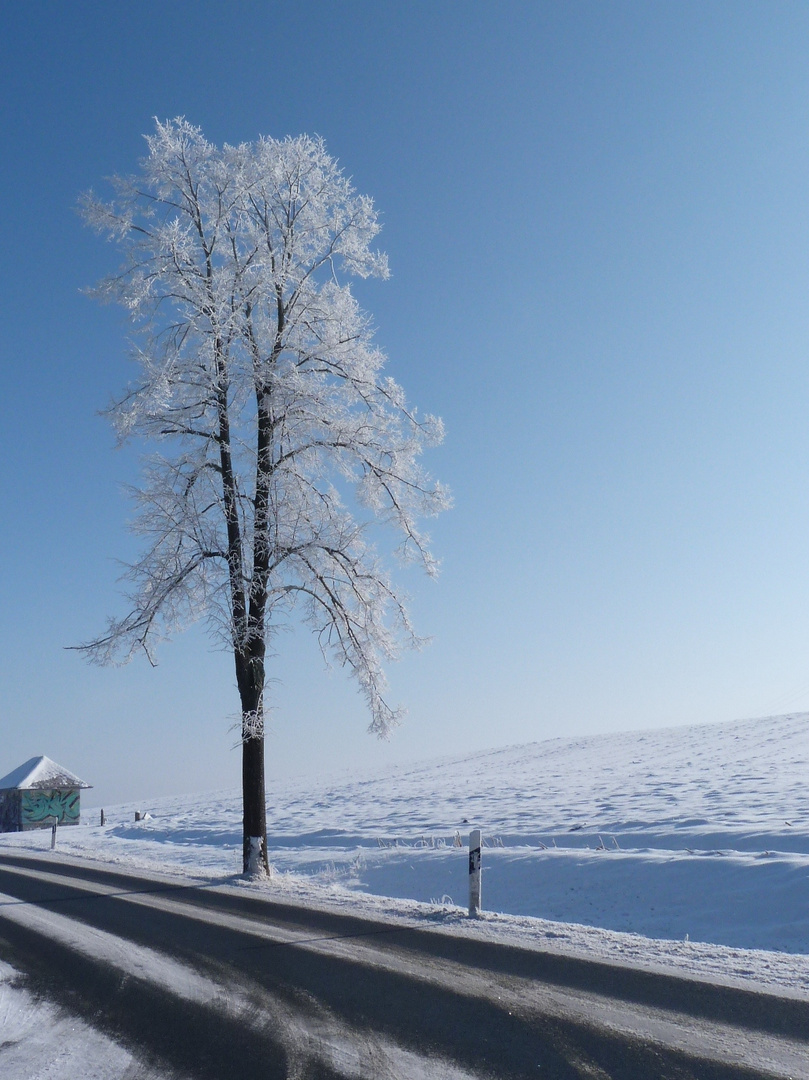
(37, 806)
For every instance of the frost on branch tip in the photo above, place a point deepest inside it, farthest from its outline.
(277, 442)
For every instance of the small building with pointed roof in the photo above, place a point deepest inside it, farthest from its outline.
(36, 794)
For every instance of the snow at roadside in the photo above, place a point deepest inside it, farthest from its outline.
(684, 847)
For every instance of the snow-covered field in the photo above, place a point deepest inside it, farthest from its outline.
(683, 849)
(697, 837)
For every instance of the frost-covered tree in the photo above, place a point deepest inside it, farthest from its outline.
(275, 440)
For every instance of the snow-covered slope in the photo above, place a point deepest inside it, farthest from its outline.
(693, 832)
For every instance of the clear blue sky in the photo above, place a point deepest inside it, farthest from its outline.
(597, 217)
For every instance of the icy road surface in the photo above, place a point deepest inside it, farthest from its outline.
(215, 981)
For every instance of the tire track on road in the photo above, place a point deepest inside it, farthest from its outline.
(391, 987)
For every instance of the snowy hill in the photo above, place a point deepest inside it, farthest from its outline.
(698, 833)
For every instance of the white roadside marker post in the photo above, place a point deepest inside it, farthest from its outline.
(474, 873)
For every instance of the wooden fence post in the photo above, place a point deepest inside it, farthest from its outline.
(474, 873)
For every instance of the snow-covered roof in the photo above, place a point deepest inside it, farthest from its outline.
(40, 773)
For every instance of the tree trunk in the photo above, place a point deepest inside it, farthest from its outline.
(250, 679)
(255, 814)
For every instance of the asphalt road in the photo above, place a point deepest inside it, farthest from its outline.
(211, 981)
